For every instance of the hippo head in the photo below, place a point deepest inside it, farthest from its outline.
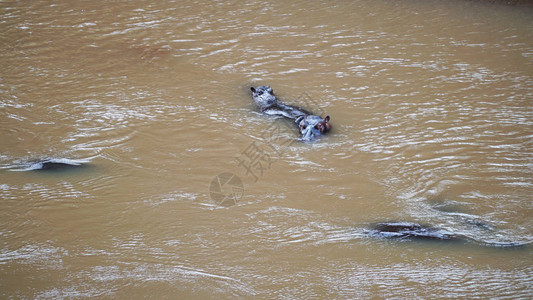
(263, 96)
(313, 126)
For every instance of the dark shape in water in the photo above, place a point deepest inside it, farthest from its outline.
(57, 166)
(415, 231)
(53, 165)
(406, 230)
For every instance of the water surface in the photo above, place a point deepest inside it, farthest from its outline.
(431, 108)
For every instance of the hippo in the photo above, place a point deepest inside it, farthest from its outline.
(415, 231)
(310, 126)
(409, 230)
(52, 165)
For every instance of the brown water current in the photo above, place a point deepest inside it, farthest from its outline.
(431, 104)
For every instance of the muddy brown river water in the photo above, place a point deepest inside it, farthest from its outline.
(187, 191)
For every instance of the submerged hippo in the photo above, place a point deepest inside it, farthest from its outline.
(415, 231)
(405, 230)
(311, 126)
(53, 164)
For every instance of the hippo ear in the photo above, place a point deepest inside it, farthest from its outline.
(299, 119)
(253, 89)
(326, 119)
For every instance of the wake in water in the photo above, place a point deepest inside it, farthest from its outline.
(285, 227)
